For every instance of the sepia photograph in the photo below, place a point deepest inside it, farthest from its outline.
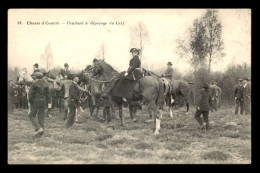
(129, 86)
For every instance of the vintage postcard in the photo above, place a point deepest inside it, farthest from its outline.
(129, 86)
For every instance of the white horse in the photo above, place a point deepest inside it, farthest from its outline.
(24, 76)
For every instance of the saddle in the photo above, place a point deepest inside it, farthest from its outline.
(124, 86)
(135, 75)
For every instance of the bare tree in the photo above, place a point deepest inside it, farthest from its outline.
(101, 52)
(47, 57)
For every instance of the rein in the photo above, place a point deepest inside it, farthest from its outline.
(106, 81)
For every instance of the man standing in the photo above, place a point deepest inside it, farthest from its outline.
(38, 95)
(203, 106)
(64, 72)
(169, 72)
(213, 94)
(73, 100)
(239, 97)
(247, 95)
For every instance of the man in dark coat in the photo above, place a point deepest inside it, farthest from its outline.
(239, 97)
(38, 95)
(169, 71)
(73, 100)
(64, 72)
(203, 106)
(247, 96)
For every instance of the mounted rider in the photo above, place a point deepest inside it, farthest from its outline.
(64, 73)
(134, 72)
(36, 68)
(169, 71)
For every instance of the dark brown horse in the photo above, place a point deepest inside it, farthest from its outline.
(147, 88)
(176, 92)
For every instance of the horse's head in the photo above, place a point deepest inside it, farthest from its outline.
(22, 75)
(97, 70)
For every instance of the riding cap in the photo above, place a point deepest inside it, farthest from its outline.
(169, 63)
(36, 65)
(38, 75)
(205, 85)
(135, 50)
(66, 65)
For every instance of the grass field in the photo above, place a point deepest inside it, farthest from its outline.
(92, 141)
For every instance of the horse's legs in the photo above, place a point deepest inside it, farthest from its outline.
(188, 107)
(113, 111)
(120, 107)
(157, 120)
(97, 111)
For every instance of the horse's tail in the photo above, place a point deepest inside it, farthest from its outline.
(160, 99)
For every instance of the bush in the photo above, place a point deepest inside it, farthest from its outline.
(143, 145)
(215, 155)
(104, 137)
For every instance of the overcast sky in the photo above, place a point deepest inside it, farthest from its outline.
(79, 44)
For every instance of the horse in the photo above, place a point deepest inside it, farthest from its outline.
(147, 88)
(95, 87)
(176, 92)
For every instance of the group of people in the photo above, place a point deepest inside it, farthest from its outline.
(208, 99)
(16, 96)
(242, 96)
(39, 95)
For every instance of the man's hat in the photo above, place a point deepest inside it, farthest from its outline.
(240, 79)
(169, 63)
(66, 65)
(36, 65)
(205, 85)
(10, 81)
(38, 75)
(245, 78)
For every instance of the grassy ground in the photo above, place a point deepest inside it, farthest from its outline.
(94, 142)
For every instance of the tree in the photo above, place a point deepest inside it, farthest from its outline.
(203, 41)
(101, 52)
(189, 47)
(139, 37)
(47, 56)
(212, 39)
